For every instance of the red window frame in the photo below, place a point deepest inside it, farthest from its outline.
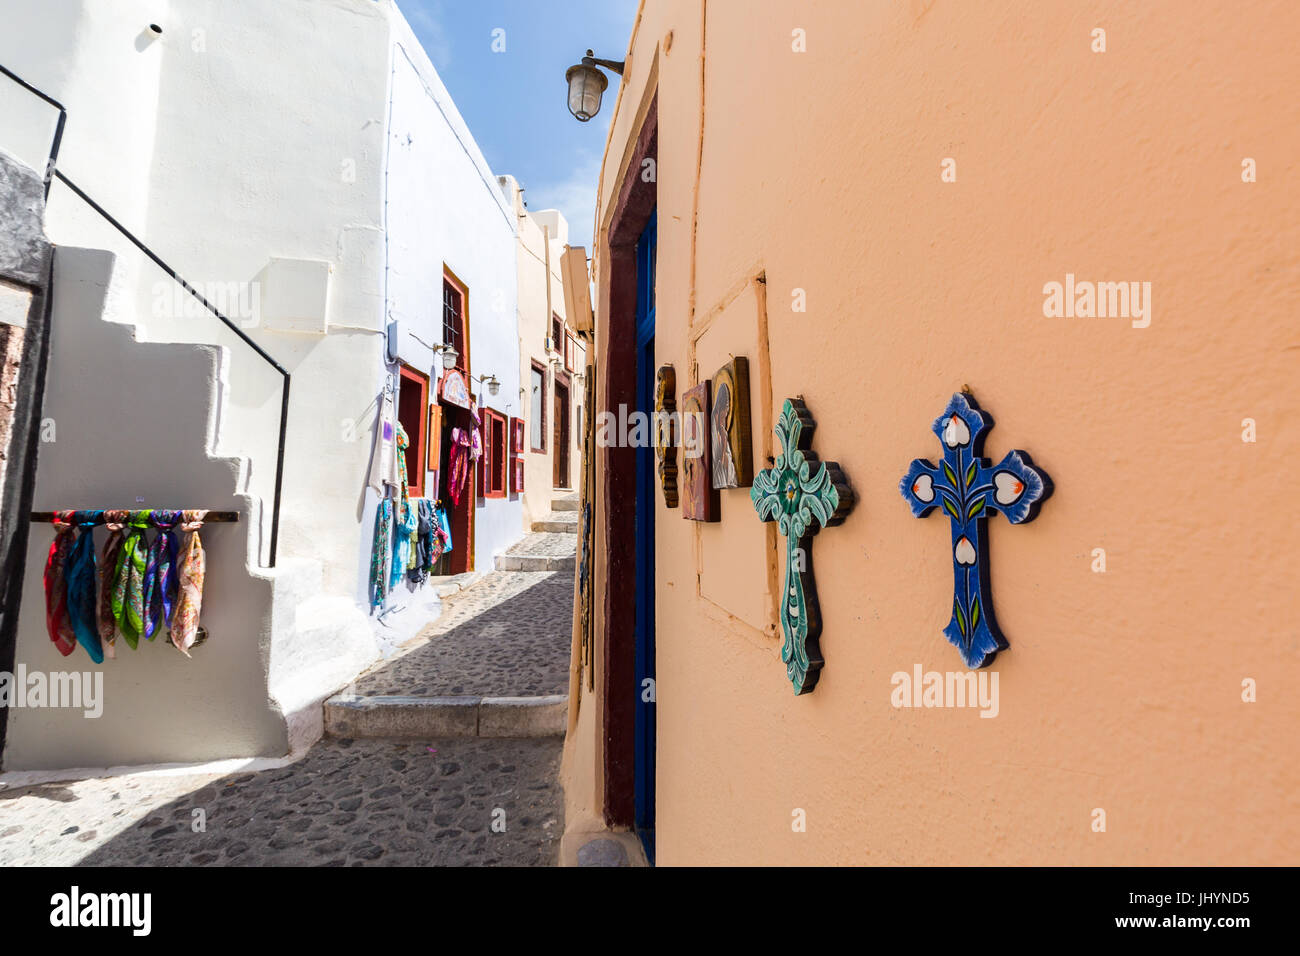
(496, 453)
(415, 451)
(455, 317)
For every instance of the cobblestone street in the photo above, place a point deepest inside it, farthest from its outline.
(347, 803)
(466, 801)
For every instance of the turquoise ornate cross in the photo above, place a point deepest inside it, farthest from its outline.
(968, 489)
(803, 495)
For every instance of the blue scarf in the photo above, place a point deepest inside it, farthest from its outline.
(83, 585)
(160, 580)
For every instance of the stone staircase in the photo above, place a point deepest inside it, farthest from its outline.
(485, 667)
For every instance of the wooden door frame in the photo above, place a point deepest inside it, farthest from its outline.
(635, 202)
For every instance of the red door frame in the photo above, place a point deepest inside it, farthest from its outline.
(635, 201)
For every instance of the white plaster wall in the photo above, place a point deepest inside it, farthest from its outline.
(252, 131)
(444, 208)
(158, 706)
(534, 321)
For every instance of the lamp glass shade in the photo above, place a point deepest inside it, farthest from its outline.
(449, 356)
(493, 386)
(586, 86)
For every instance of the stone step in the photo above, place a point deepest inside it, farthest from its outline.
(351, 716)
(567, 503)
(547, 551)
(534, 562)
(561, 522)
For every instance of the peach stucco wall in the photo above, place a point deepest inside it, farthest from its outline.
(821, 171)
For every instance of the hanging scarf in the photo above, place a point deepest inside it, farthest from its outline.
(418, 570)
(444, 530)
(57, 621)
(459, 467)
(128, 580)
(79, 573)
(114, 521)
(160, 575)
(406, 524)
(191, 565)
(379, 553)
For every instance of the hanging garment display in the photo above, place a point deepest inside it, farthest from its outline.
(405, 518)
(407, 523)
(57, 622)
(128, 583)
(379, 553)
(79, 573)
(114, 521)
(458, 472)
(388, 462)
(191, 568)
(444, 529)
(423, 563)
(160, 574)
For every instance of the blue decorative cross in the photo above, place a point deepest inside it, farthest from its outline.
(801, 494)
(967, 488)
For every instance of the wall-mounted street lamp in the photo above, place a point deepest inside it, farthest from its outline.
(449, 355)
(587, 85)
(491, 381)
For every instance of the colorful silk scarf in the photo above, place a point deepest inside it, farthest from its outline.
(160, 575)
(79, 573)
(444, 530)
(128, 580)
(114, 521)
(191, 566)
(379, 553)
(458, 470)
(407, 524)
(57, 621)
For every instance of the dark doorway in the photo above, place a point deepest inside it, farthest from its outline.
(624, 746)
(561, 458)
(459, 514)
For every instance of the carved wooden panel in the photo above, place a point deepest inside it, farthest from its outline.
(665, 432)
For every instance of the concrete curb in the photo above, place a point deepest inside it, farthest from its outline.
(348, 715)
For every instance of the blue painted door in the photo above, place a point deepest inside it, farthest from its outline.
(645, 545)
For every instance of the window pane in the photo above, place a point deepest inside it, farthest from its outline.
(538, 399)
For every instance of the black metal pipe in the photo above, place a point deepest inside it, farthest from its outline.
(58, 128)
(284, 401)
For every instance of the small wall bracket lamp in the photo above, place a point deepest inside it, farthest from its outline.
(448, 353)
(587, 84)
(491, 381)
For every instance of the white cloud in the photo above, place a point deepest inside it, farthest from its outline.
(575, 196)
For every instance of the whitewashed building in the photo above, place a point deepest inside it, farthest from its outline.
(301, 165)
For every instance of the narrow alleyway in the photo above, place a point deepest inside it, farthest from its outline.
(354, 801)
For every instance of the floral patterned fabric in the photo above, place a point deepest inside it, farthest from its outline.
(191, 568)
(128, 580)
(160, 574)
(115, 522)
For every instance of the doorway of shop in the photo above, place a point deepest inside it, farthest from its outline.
(561, 431)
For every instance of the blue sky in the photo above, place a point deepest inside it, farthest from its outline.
(514, 101)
